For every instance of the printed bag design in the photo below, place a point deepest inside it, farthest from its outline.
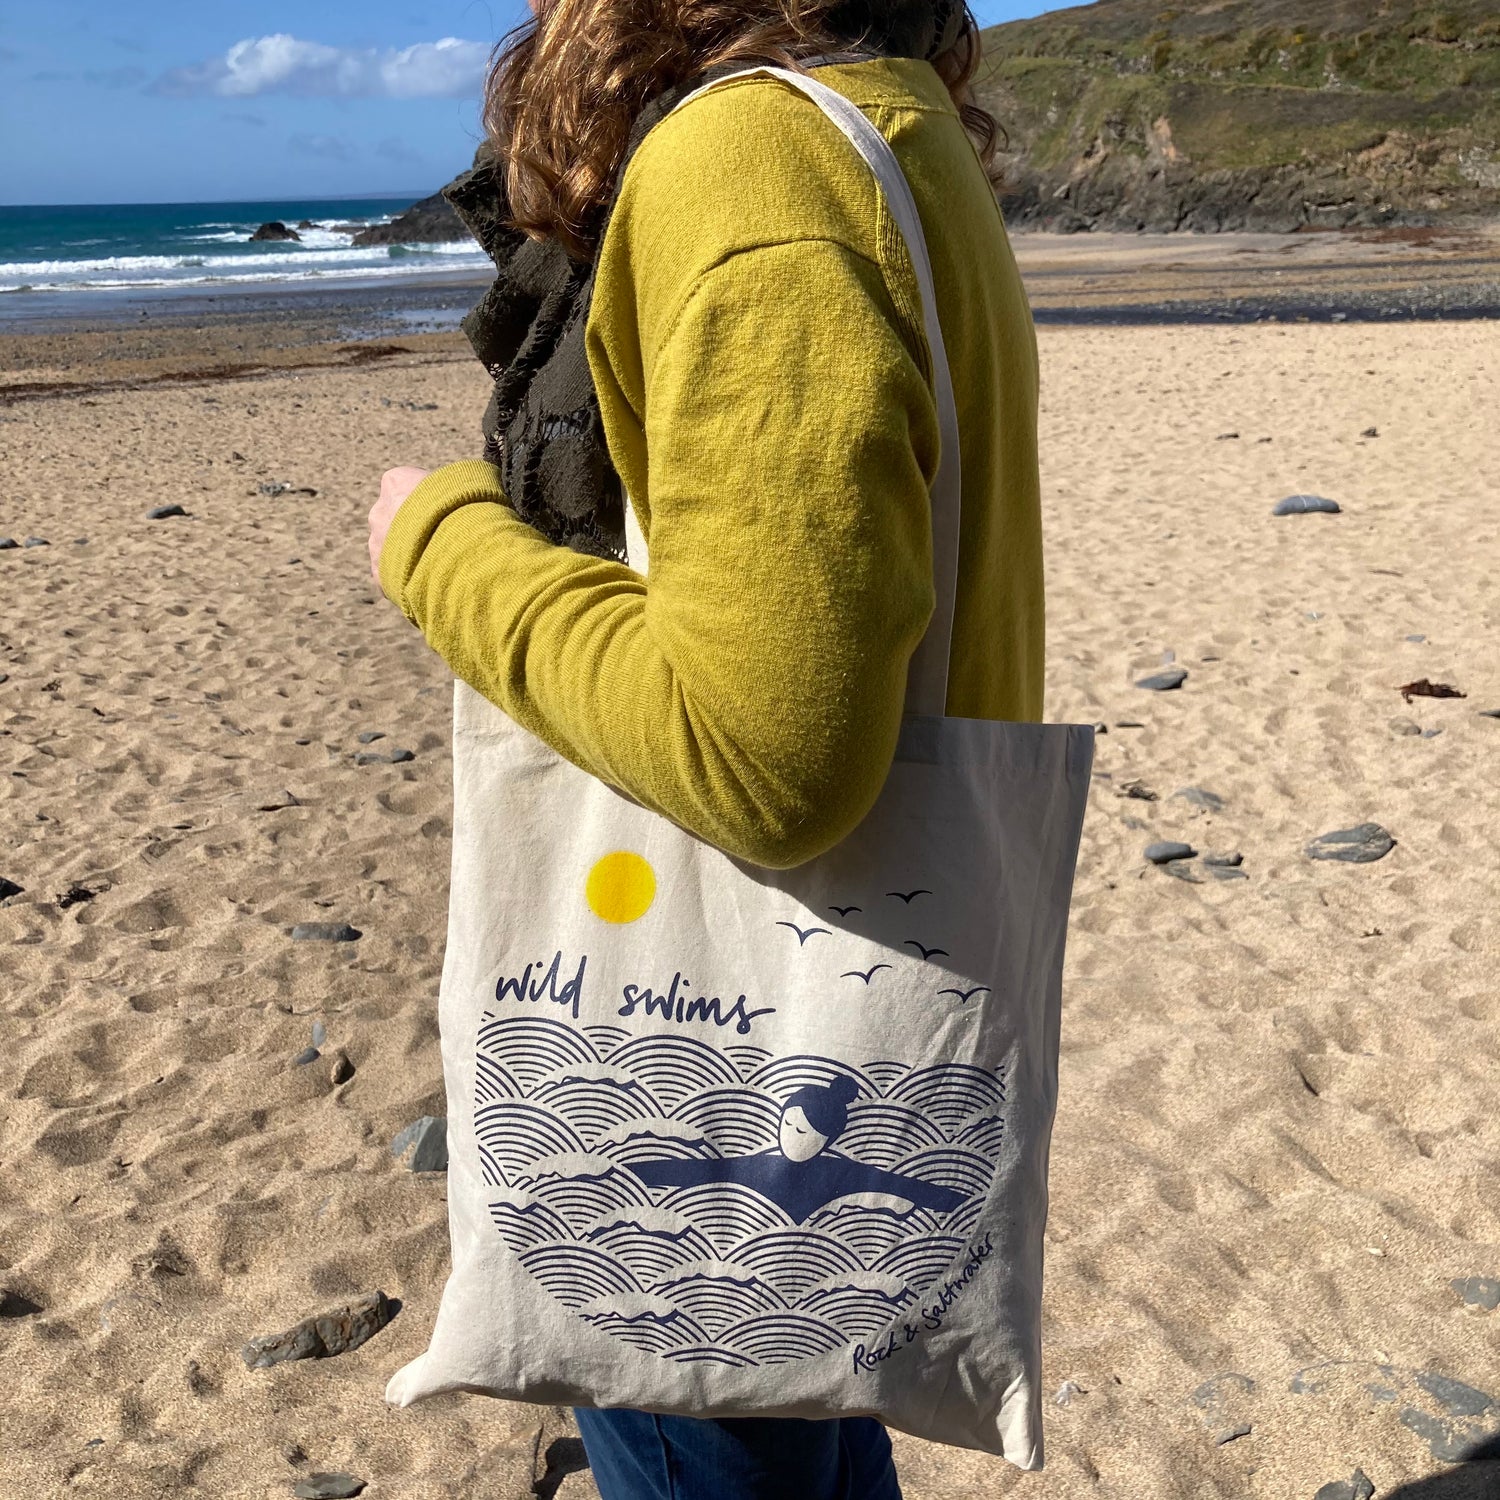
(719, 1203)
(729, 1141)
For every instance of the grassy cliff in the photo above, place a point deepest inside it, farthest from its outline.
(1249, 114)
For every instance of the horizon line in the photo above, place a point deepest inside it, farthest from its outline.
(414, 197)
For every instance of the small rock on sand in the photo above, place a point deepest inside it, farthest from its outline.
(164, 512)
(9, 544)
(1066, 1391)
(1489, 713)
(338, 1486)
(1356, 1487)
(15, 1304)
(36, 541)
(1227, 858)
(1165, 851)
(325, 932)
(336, 1331)
(305, 1056)
(9, 888)
(1209, 801)
(427, 1141)
(369, 736)
(1360, 845)
(1305, 505)
(342, 1069)
(383, 757)
(1481, 1292)
(319, 1033)
(1164, 682)
(1230, 1434)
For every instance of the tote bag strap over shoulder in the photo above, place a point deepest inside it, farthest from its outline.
(927, 674)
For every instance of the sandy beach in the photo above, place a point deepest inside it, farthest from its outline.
(1275, 1230)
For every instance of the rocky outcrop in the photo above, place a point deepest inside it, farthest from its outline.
(432, 221)
(275, 230)
(1244, 115)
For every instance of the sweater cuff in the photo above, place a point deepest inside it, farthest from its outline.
(445, 490)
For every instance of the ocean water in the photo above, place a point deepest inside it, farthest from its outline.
(205, 246)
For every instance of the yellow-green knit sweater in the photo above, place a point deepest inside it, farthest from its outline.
(756, 342)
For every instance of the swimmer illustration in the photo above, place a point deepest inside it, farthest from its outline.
(801, 1174)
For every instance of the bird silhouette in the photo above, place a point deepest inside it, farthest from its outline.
(804, 933)
(925, 952)
(865, 974)
(844, 911)
(908, 896)
(965, 996)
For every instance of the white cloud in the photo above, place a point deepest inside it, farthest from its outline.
(283, 64)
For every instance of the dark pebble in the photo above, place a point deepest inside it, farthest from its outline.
(1230, 1434)
(371, 735)
(1489, 713)
(9, 888)
(36, 541)
(1211, 801)
(327, 1487)
(18, 1305)
(1129, 724)
(325, 932)
(1164, 851)
(80, 541)
(383, 757)
(1416, 640)
(163, 512)
(1304, 505)
(427, 1141)
(1356, 846)
(1456, 1398)
(1164, 682)
(1228, 857)
(334, 1332)
(9, 544)
(1370, 432)
(1356, 1487)
(1482, 1292)
(305, 1056)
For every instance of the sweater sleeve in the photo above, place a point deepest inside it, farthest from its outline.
(751, 687)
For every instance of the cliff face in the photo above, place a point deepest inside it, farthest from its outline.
(1246, 114)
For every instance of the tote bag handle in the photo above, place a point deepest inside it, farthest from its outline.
(927, 673)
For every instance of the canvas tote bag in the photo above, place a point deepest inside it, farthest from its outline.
(734, 1141)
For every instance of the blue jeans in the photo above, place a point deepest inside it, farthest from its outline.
(637, 1456)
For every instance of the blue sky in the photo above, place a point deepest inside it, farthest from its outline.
(134, 101)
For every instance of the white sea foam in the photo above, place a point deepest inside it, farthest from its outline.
(323, 254)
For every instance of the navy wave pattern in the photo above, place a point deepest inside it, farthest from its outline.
(715, 1273)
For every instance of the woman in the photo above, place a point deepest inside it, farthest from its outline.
(718, 318)
(800, 1174)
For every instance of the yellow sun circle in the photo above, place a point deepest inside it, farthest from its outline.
(621, 887)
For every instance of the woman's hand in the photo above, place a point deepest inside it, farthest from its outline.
(395, 486)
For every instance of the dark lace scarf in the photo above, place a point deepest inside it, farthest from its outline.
(542, 427)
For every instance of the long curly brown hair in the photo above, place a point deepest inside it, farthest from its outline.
(565, 86)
